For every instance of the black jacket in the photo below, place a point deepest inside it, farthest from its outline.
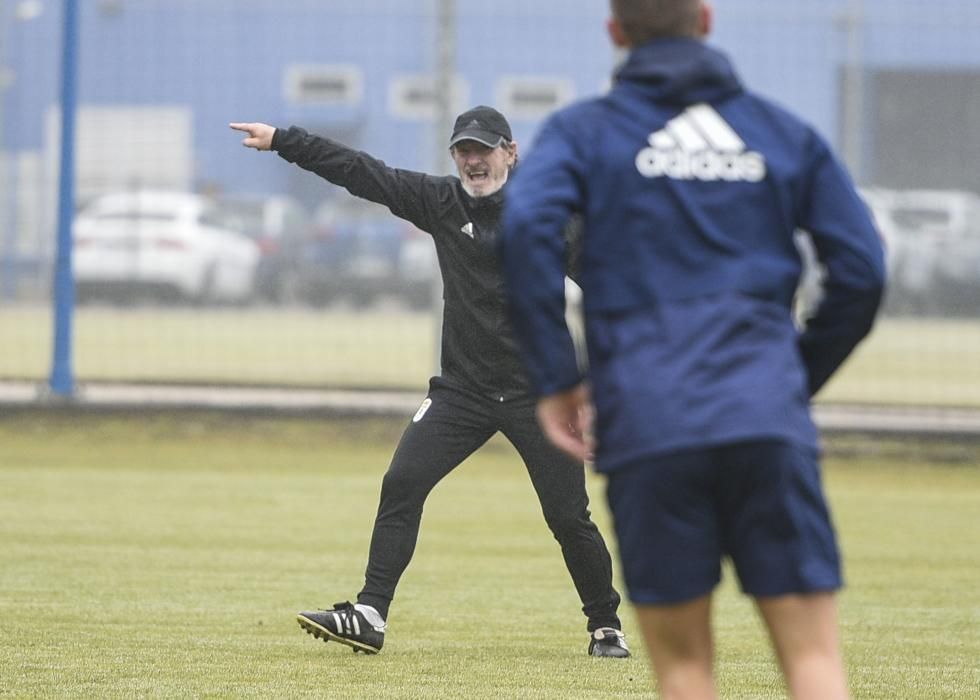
(479, 352)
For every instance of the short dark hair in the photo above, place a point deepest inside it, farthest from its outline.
(645, 20)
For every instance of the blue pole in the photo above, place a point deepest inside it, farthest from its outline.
(62, 382)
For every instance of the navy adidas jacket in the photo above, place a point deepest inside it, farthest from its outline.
(691, 189)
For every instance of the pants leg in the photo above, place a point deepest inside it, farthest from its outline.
(433, 444)
(559, 482)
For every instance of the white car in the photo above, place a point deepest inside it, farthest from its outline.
(948, 222)
(933, 243)
(167, 245)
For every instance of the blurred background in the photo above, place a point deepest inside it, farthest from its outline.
(199, 261)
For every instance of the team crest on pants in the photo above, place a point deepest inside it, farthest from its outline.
(422, 409)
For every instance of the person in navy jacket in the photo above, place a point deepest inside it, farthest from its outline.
(691, 189)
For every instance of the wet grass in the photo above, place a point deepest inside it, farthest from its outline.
(165, 555)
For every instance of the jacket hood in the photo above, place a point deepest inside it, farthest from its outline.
(680, 70)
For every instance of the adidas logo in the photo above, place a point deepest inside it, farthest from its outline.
(699, 145)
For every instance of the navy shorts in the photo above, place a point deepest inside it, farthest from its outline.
(759, 503)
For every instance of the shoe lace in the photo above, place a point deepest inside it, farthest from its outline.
(345, 608)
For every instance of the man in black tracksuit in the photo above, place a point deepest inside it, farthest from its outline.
(483, 387)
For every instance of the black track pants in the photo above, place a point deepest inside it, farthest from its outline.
(451, 428)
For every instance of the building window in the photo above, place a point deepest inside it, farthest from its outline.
(533, 98)
(414, 96)
(323, 85)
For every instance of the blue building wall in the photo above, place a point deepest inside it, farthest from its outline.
(225, 60)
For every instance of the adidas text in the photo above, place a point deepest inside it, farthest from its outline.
(707, 166)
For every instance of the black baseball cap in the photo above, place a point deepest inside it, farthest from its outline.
(483, 124)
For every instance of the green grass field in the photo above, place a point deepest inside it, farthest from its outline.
(914, 361)
(155, 555)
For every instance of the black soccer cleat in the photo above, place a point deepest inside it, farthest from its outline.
(346, 625)
(607, 641)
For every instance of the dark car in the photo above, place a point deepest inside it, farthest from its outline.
(280, 226)
(359, 252)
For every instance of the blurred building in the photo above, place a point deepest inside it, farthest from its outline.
(895, 83)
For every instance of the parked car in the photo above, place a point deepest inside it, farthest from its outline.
(417, 268)
(161, 245)
(280, 226)
(932, 238)
(949, 223)
(360, 252)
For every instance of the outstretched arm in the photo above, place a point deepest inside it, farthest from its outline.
(259, 135)
(409, 195)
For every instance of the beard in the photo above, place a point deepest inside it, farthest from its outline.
(486, 188)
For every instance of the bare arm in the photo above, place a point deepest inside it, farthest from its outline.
(259, 135)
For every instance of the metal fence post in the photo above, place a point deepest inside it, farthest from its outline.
(62, 382)
(445, 71)
(852, 114)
